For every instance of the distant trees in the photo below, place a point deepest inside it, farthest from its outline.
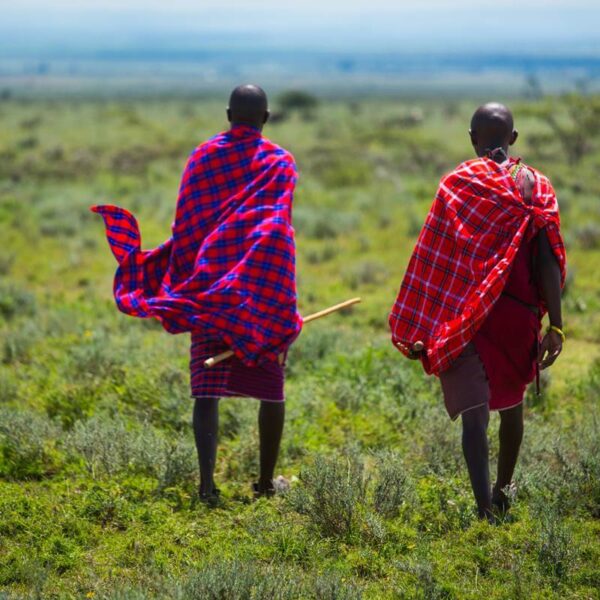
(295, 100)
(574, 121)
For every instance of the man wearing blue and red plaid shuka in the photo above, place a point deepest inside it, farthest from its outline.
(227, 275)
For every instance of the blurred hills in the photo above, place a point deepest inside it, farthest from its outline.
(353, 47)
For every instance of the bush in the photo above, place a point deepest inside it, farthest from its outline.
(15, 301)
(105, 506)
(315, 345)
(555, 546)
(564, 471)
(392, 485)
(97, 358)
(441, 443)
(297, 100)
(347, 395)
(321, 255)
(178, 463)
(8, 387)
(244, 580)
(332, 494)
(17, 343)
(366, 272)
(108, 447)
(7, 260)
(71, 404)
(318, 224)
(26, 445)
(338, 167)
(427, 585)
(588, 236)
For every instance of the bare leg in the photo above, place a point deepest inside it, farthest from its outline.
(475, 449)
(271, 417)
(206, 429)
(511, 436)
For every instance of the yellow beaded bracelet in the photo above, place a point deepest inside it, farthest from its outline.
(558, 330)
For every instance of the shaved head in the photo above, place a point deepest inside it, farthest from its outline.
(492, 127)
(248, 105)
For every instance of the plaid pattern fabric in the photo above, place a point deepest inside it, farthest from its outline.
(208, 383)
(231, 378)
(464, 254)
(228, 269)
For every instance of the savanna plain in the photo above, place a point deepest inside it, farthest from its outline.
(98, 472)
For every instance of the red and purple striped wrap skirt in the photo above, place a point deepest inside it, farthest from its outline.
(231, 378)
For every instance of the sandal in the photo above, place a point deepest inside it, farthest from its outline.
(259, 492)
(279, 485)
(212, 499)
(501, 501)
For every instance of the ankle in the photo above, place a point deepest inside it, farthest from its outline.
(486, 514)
(498, 490)
(264, 484)
(207, 487)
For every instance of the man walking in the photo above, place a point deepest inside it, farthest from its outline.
(227, 275)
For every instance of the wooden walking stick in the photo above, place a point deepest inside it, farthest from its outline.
(214, 360)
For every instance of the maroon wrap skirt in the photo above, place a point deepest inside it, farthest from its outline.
(231, 378)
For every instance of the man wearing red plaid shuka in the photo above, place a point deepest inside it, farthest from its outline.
(227, 275)
(488, 264)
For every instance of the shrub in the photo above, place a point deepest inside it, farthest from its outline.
(317, 223)
(105, 506)
(15, 301)
(338, 167)
(347, 395)
(8, 386)
(237, 580)
(392, 485)
(26, 444)
(555, 546)
(366, 272)
(564, 471)
(178, 463)
(297, 100)
(71, 404)
(243, 580)
(315, 345)
(7, 260)
(107, 447)
(17, 343)
(332, 494)
(588, 236)
(321, 255)
(441, 446)
(97, 357)
(427, 585)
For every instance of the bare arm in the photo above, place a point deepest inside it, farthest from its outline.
(549, 282)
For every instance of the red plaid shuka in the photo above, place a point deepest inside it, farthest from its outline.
(464, 255)
(228, 270)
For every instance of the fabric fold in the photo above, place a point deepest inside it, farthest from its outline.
(228, 270)
(464, 255)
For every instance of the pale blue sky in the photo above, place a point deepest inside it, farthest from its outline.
(542, 26)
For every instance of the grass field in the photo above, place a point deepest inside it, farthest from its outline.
(97, 464)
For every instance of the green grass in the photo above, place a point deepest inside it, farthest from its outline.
(97, 464)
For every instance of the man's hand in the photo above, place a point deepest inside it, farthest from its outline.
(414, 352)
(550, 348)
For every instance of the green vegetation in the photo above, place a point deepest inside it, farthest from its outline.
(97, 464)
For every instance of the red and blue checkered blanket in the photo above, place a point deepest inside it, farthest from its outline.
(229, 268)
(464, 256)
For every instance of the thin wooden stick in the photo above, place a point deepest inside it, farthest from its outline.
(215, 360)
